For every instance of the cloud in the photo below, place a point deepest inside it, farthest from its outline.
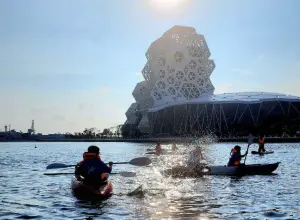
(242, 71)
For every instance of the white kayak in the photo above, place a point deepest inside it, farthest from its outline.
(251, 169)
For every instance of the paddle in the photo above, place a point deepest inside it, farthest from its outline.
(250, 141)
(124, 174)
(140, 161)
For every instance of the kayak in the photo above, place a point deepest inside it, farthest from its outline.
(261, 153)
(251, 169)
(83, 191)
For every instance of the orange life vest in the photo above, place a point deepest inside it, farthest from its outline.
(238, 161)
(233, 151)
(91, 156)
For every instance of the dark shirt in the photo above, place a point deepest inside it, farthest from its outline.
(91, 170)
(234, 157)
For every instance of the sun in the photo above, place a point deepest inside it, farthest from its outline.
(166, 4)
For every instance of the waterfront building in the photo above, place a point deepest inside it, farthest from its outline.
(177, 96)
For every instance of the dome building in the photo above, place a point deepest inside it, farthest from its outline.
(177, 95)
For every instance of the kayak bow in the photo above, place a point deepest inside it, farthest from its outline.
(82, 191)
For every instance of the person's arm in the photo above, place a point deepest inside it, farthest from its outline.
(245, 154)
(78, 171)
(106, 169)
(110, 164)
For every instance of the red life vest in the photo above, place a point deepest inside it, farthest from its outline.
(261, 141)
(90, 156)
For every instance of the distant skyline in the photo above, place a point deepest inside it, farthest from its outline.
(71, 65)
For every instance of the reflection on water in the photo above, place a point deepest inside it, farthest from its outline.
(26, 193)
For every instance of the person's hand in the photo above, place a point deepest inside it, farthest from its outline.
(110, 163)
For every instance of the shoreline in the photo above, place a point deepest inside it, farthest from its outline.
(164, 140)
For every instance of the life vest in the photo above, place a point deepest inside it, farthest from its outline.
(233, 151)
(261, 141)
(91, 156)
(237, 162)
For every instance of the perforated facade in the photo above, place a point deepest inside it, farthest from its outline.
(177, 97)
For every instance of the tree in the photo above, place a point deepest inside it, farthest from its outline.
(106, 132)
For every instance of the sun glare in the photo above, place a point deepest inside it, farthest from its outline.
(166, 4)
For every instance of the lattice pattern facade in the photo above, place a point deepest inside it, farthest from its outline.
(178, 69)
(177, 97)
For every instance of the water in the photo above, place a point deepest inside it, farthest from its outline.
(25, 193)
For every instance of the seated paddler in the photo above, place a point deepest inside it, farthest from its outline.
(235, 158)
(174, 147)
(194, 158)
(158, 149)
(92, 170)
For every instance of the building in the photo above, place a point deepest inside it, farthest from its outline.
(177, 96)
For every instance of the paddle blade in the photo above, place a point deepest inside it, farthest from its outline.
(58, 165)
(140, 161)
(127, 174)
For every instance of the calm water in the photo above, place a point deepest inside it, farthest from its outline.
(25, 193)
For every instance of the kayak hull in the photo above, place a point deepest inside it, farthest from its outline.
(262, 153)
(251, 169)
(82, 191)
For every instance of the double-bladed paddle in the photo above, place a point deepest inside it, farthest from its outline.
(124, 174)
(250, 141)
(140, 161)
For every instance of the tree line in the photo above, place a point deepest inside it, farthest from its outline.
(94, 133)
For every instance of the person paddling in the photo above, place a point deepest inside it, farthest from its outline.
(235, 159)
(92, 170)
(261, 144)
(194, 158)
(174, 147)
(158, 149)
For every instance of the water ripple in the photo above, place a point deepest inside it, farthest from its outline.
(25, 193)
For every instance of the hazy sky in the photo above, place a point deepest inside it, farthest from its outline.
(74, 64)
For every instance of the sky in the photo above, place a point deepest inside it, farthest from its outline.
(73, 64)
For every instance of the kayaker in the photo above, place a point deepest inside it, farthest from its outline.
(261, 144)
(174, 147)
(92, 170)
(158, 149)
(194, 158)
(235, 159)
